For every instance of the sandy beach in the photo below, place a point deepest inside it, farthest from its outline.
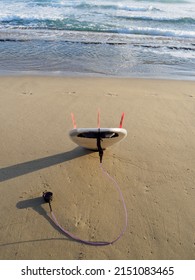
(154, 167)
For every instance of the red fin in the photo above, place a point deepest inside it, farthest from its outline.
(121, 122)
(73, 121)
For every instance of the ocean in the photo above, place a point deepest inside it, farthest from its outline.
(128, 38)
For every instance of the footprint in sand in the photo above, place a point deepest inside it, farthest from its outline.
(147, 188)
(189, 95)
(111, 94)
(71, 92)
(27, 93)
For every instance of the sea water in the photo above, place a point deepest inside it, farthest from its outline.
(129, 38)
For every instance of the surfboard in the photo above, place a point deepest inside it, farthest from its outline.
(87, 137)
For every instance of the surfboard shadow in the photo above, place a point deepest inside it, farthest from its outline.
(24, 168)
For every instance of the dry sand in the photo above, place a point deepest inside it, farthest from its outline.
(154, 166)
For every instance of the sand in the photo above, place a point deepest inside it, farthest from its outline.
(154, 166)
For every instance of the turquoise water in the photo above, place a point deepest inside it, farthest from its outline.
(112, 38)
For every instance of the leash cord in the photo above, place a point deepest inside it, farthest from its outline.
(96, 243)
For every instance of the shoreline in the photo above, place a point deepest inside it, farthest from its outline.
(91, 75)
(153, 165)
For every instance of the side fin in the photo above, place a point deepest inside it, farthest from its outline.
(121, 121)
(73, 121)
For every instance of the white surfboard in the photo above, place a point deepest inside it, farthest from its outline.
(87, 137)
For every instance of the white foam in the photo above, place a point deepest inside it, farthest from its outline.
(158, 32)
(25, 11)
(66, 9)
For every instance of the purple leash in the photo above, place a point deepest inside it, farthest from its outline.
(93, 243)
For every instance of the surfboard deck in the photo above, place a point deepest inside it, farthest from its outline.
(87, 137)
